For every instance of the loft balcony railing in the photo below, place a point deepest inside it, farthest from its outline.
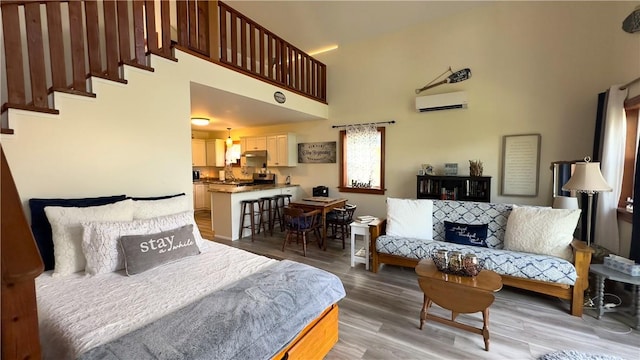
(66, 42)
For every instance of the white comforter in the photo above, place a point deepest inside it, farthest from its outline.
(79, 312)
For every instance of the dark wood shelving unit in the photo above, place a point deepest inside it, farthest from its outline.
(463, 188)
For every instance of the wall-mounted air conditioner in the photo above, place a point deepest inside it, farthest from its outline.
(453, 100)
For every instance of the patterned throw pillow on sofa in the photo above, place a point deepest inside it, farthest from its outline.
(466, 234)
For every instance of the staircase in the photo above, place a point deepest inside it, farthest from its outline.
(70, 42)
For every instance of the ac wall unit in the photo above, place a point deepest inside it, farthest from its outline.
(453, 100)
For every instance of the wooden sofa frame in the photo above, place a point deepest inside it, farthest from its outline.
(575, 294)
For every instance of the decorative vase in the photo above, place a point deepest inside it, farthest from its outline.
(475, 168)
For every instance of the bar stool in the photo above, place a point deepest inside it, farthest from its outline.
(248, 207)
(282, 201)
(267, 205)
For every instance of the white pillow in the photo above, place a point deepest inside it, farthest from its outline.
(100, 239)
(410, 218)
(543, 231)
(66, 231)
(147, 209)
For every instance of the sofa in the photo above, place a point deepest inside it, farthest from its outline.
(422, 226)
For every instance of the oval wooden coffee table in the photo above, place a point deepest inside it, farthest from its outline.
(460, 294)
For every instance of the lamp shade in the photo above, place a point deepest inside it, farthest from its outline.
(565, 202)
(587, 178)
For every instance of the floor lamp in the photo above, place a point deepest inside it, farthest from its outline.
(587, 178)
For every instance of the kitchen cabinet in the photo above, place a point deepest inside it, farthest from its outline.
(254, 143)
(282, 150)
(198, 152)
(215, 152)
(201, 198)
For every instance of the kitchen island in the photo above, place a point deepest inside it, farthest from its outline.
(225, 205)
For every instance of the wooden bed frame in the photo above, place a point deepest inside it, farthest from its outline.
(575, 294)
(21, 264)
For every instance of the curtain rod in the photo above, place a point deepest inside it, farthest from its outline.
(374, 123)
(629, 83)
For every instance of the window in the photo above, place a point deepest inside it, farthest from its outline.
(362, 159)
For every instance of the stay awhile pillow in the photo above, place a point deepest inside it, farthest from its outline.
(540, 230)
(100, 240)
(66, 230)
(410, 218)
(144, 252)
(466, 234)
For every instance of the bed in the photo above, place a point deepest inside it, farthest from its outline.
(218, 302)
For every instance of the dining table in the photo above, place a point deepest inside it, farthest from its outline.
(324, 205)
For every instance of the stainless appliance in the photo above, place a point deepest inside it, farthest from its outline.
(263, 179)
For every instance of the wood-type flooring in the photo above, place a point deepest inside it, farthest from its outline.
(380, 315)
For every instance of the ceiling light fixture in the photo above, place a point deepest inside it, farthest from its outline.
(323, 50)
(200, 121)
(229, 140)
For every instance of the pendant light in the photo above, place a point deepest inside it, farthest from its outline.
(229, 140)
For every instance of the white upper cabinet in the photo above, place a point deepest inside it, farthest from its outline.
(282, 150)
(254, 143)
(198, 152)
(215, 152)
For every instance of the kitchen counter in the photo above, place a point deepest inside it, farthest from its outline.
(226, 205)
(232, 189)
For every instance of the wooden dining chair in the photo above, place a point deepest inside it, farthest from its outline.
(299, 223)
(338, 221)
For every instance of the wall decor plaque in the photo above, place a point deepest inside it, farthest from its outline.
(317, 153)
(520, 164)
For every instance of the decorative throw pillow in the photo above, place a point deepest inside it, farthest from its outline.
(146, 209)
(410, 218)
(144, 252)
(540, 230)
(466, 234)
(100, 240)
(66, 228)
(41, 227)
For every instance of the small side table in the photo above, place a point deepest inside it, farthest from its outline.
(362, 255)
(602, 272)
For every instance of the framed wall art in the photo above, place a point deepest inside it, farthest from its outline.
(317, 153)
(520, 164)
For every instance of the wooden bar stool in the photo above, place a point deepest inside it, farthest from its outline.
(267, 206)
(248, 207)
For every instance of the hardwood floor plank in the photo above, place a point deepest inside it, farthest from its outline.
(380, 315)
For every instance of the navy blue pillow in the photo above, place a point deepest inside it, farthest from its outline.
(465, 234)
(155, 197)
(41, 227)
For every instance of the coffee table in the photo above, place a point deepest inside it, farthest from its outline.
(460, 294)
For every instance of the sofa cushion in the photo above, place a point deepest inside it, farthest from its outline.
(410, 218)
(504, 262)
(540, 230)
(401, 246)
(518, 264)
(466, 234)
(493, 214)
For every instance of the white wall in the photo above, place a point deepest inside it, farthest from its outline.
(131, 139)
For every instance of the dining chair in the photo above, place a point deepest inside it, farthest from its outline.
(299, 223)
(338, 221)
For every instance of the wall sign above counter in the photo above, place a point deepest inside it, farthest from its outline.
(279, 97)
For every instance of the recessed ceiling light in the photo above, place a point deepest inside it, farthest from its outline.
(323, 50)
(199, 121)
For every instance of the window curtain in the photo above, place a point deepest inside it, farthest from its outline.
(362, 155)
(634, 253)
(611, 165)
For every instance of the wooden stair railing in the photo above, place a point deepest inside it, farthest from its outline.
(21, 264)
(121, 32)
